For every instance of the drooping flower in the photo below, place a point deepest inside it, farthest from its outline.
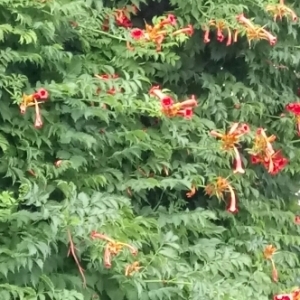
(220, 26)
(268, 253)
(112, 247)
(230, 140)
(192, 192)
(206, 38)
(280, 10)
(219, 188)
(38, 123)
(255, 32)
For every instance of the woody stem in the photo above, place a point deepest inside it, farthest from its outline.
(72, 251)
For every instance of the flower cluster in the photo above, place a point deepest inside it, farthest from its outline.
(261, 152)
(252, 31)
(294, 295)
(220, 26)
(280, 10)
(255, 32)
(34, 100)
(111, 91)
(156, 34)
(112, 249)
(264, 153)
(122, 17)
(172, 109)
(269, 252)
(218, 188)
(294, 108)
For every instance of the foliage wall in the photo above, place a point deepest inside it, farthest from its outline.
(149, 150)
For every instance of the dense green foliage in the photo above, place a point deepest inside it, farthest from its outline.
(108, 161)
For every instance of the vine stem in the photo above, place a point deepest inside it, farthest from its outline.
(72, 250)
(168, 281)
(104, 33)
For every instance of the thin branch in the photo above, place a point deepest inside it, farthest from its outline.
(72, 250)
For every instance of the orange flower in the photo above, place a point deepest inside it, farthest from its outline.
(269, 252)
(230, 140)
(280, 10)
(112, 247)
(206, 38)
(218, 189)
(133, 268)
(189, 30)
(192, 192)
(255, 32)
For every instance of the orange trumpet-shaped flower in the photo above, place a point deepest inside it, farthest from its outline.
(255, 32)
(269, 252)
(192, 192)
(133, 268)
(38, 123)
(189, 30)
(280, 10)
(230, 140)
(112, 247)
(218, 189)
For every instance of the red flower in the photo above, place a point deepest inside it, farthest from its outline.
(166, 102)
(137, 33)
(41, 94)
(297, 220)
(187, 113)
(283, 297)
(169, 20)
(255, 159)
